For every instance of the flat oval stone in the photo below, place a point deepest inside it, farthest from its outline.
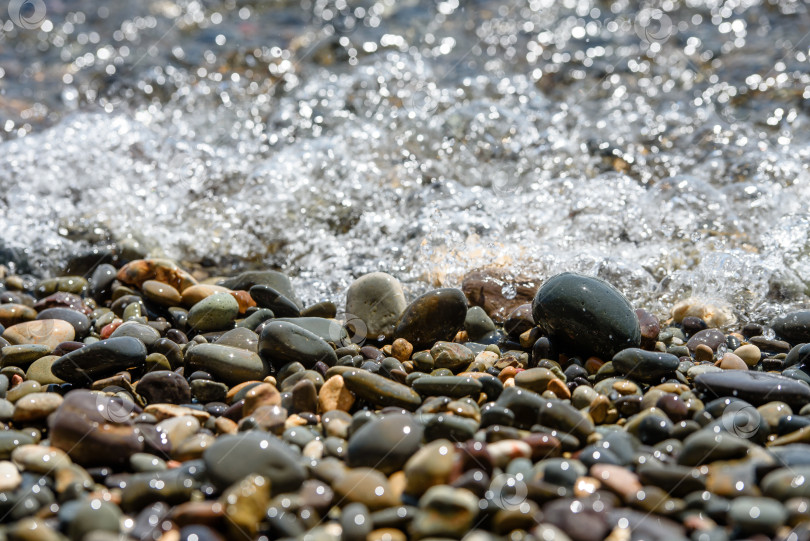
(79, 321)
(272, 299)
(94, 429)
(213, 313)
(328, 330)
(99, 360)
(161, 293)
(585, 315)
(785, 483)
(233, 457)
(385, 443)
(708, 337)
(435, 316)
(377, 300)
(381, 391)
(278, 281)
(48, 332)
(227, 364)
(645, 365)
(452, 386)
(13, 313)
(757, 388)
(240, 337)
(22, 355)
(146, 334)
(793, 326)
(10, 440)
(281, 343)
(757, 515)
(366, 486)
(164, 386)
(35, 407)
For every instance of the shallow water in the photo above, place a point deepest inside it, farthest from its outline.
(662, 147)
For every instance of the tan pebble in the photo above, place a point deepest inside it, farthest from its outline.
(10, 477)
(271, 380)
(488, 358)
(507, 373)
(401, 349)
(599, 409)
(386, 534)
(585, 486)
(618, 479)
(624, 387)
(713, 314)
(167, 411)
(225, 426)
(160, 293)
(262, 394)
(704, 353)
(461, 337)
(194, 294)
(313, 449)
(40, 459)
(36, 407)
(387, 350)
(748, 353)
(48, 332)
(509, 383)
(334, 395)
(233, 391)
(559, 388)
(294, 420)
(398, 482)
(731, 362)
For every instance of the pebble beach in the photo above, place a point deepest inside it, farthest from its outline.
(404, 269)
(142, 403)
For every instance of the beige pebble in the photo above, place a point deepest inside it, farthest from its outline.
(731, 362)
(36, 407)
(10, 477)
(48, 332)
(715, 315)
(704, 353)
(748, 353)
(334, 395)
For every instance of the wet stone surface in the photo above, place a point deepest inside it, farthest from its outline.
(288, 427)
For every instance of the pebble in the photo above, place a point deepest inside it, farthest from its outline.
(385, 443)
(648, 366)
(754, 387)
(281, 343)
(100, 359)
(232, 457)
(164, 386)
(435, 316)
(94, 429)
(10, 477)
(381, 391)
(585, 315)
(793, 326)
(46, 332)
(228, 364)
(215, 312)
(334, 395)
(279, 425)
(366, 486)
(36, 407)
(377, 301)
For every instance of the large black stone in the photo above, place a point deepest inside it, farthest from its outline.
(585, 315)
